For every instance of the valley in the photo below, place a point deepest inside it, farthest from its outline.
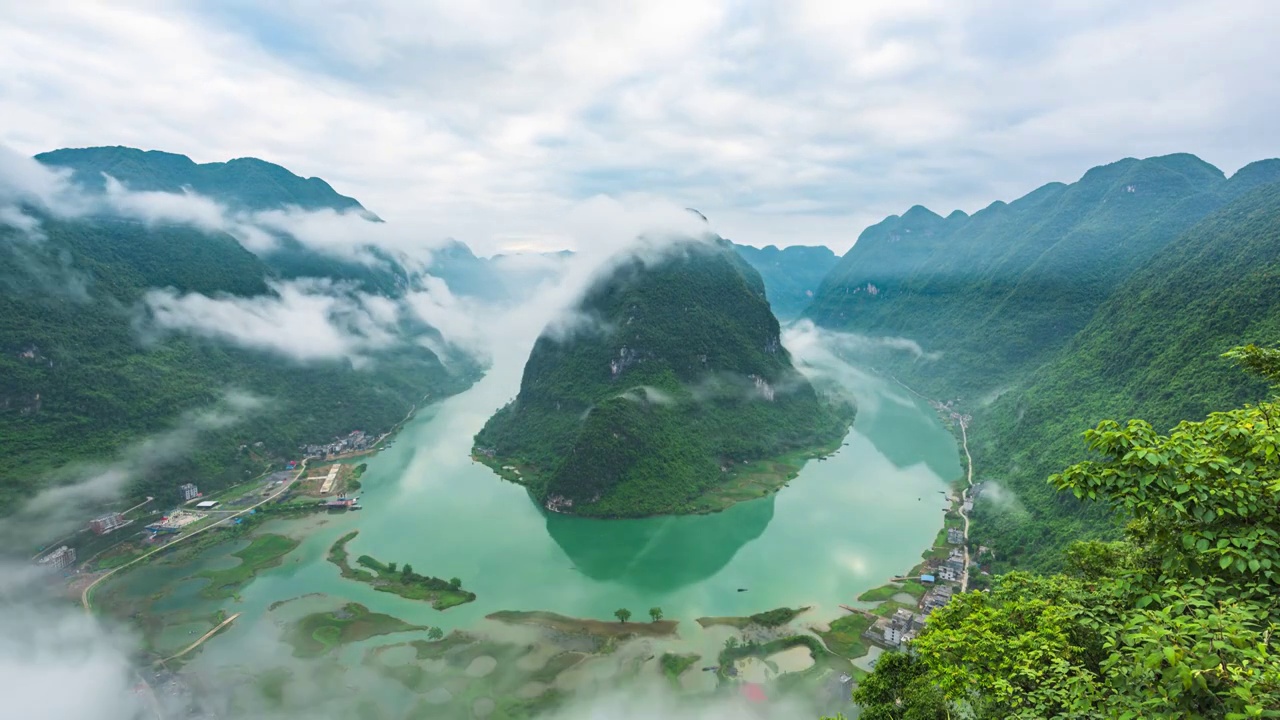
(670, 489)
(427, 502)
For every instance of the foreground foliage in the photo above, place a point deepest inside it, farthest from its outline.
(1178, 620)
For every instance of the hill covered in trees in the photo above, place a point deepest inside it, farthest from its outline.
(84, 376)
(1151, 350)
(670, 384)
(1112, 296)
(998, 292)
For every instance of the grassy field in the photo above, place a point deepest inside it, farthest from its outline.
(845, 636)
(319, 633)
(265, 551)
(886, 592)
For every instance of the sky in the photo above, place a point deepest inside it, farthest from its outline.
(786, 123)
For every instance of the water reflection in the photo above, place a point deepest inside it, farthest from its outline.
(663, 553)
(906, 435)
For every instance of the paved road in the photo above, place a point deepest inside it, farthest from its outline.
(964, 496)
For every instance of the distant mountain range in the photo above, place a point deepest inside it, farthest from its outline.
(242, 184)
(1109, 297)
(791, 275)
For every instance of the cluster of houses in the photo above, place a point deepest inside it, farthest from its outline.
(356, 441)
(905, 624)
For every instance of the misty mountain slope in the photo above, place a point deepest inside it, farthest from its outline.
(86, 370)
(250, 185)
(1151, 351)
(243, 183)
(675, 375)
(791, 275)
(997, 292)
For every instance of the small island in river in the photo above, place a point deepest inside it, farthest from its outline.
(403, 581)
(673, 395)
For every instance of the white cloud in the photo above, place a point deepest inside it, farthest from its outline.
(82, 488)
(57, 662)
(490, 121)
(306, 320)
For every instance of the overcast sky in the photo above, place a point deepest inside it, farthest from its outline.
(788, 123)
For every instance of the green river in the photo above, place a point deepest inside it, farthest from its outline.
(843, 526)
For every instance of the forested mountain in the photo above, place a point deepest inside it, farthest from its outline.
(1111, 297)
(247, 185)
(1176, 620)
(242, 184)
(82, 377)
(1028, 274)
(672, 379)
(1152, 350)
(791, 275)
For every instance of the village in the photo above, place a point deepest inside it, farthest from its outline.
(115, 537)
(357, 441)
(939, 578)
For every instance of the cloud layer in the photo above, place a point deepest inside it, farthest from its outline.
(788, 122)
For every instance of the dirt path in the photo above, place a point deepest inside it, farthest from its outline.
(197, 643)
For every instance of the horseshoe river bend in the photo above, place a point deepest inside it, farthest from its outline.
(306, 638)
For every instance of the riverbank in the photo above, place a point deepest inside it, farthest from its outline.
(740, 482)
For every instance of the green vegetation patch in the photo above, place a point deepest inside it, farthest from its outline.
(884, 592)
(673, 664)
(319, 633)
(557, 664)
(402, 581)
(596, 628)
(770, 619)
(432, 649)
(264, 552)
(823, 659)
(844, 636)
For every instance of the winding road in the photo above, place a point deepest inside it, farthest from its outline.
(964, 497)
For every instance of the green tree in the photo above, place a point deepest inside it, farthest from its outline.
(435, 633)
(391, 567)
(622, 614)
(455, 583)
(1177, 621)
(655, 613)
(900, 689)
(407, 572)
